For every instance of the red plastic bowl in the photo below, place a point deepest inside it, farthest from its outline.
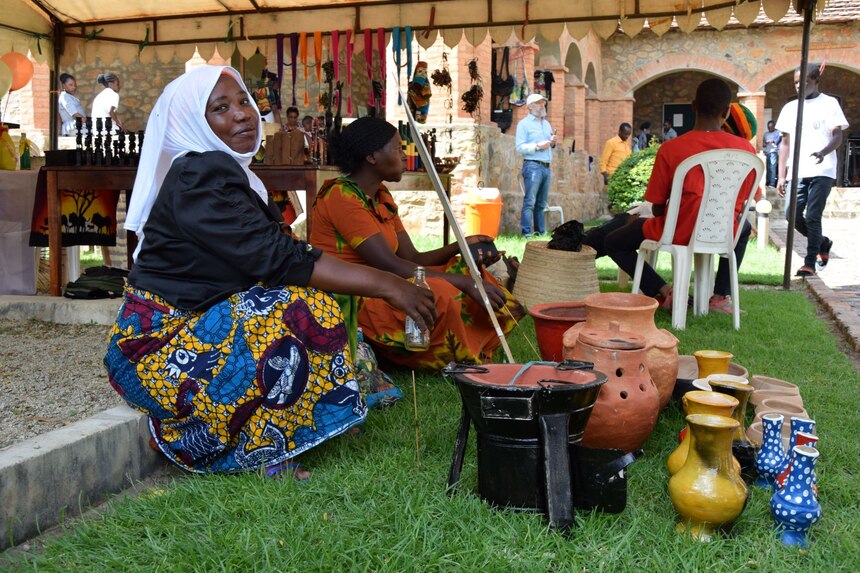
(552, 319)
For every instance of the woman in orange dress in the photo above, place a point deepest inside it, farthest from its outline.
(355, 218)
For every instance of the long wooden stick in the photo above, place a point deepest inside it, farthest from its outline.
(417, 432)
(465, 252)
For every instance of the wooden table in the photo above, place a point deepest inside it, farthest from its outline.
(275, 178)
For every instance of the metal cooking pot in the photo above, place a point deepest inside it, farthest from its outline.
(529, 420)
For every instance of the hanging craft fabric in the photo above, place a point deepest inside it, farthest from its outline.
(318, 54)
(395, 48)
(349, 48)
(303, 51)
(294, 52)
(335, 53)
(279, 48)
(521, 88)
(380, 51)
(368, 60)
(408, 32)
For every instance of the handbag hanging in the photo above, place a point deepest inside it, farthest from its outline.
(502, 82)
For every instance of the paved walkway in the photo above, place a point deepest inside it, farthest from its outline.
(837, 286)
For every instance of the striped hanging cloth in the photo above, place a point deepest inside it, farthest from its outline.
(380, 51)
(349, 48)
(294, 52)
(368, 60)
(279, 48)
(335, 53)
(318, 54)
(395, 48)
(303, 54)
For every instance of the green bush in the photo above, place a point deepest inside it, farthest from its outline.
(627, 185)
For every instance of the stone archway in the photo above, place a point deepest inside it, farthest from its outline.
(677, 86)
(591, 79)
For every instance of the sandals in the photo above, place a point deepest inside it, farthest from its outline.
(824, 252)
(383, 399)
(721, 306)
(289, 468)
(665, 302)
(805, 271)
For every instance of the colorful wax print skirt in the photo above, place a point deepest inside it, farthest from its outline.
(248, 383)
(463, 331)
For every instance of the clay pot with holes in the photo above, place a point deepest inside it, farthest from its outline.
(628, 404)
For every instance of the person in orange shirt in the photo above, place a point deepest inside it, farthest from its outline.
(616, 150)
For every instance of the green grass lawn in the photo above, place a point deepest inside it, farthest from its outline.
(375, 503)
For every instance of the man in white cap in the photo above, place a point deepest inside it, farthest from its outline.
(535, 140)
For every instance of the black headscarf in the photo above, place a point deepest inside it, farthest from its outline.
(359, 139)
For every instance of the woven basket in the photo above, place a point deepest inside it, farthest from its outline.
(548, 275)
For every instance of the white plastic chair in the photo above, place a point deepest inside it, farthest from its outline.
(555, 209)
(725, 171)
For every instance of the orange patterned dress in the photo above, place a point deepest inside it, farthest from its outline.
(343, 218)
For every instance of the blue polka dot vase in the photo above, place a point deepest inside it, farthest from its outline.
(795, 507)
(771, 458)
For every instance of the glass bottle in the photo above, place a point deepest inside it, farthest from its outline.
(415, 337)
(24, 149)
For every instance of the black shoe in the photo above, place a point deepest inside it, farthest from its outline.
(824, 251)
(805, 271)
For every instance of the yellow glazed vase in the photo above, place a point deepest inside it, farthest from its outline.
(742, 447)
(699, 402)
(708, 492)
(712, 362)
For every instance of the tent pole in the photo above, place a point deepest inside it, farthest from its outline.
(808, 11)
(452, 221)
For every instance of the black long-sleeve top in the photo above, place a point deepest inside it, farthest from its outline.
(209, 235)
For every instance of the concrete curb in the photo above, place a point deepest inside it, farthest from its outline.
(67, 471)
(59, 309)
(841, 312)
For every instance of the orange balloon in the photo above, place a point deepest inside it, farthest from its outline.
(21, 67)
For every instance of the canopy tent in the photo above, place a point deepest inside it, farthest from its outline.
(149, 29)
(154, 29)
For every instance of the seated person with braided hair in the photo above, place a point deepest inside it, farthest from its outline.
(355, 219)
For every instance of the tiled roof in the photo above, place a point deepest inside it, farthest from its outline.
(834, 11)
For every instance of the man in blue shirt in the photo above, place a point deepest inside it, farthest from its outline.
(772, 137)
(535, 140)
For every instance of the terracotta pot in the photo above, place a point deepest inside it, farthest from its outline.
(699, 402)
(765, 383)
(708, 492)
(786, 405)
(713, 362)
(626, 409)
(634, 313)
(552, 319)
(759, 396)
(688, 369)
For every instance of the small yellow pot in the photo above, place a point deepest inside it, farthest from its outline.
(712, 362)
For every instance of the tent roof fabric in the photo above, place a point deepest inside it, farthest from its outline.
(123, 26)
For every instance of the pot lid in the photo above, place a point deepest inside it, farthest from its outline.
(612, 338)
(527, 376)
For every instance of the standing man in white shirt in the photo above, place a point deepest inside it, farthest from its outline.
(823, 122)
(534, 141)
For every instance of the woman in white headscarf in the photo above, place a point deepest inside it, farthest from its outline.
(223, 338)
